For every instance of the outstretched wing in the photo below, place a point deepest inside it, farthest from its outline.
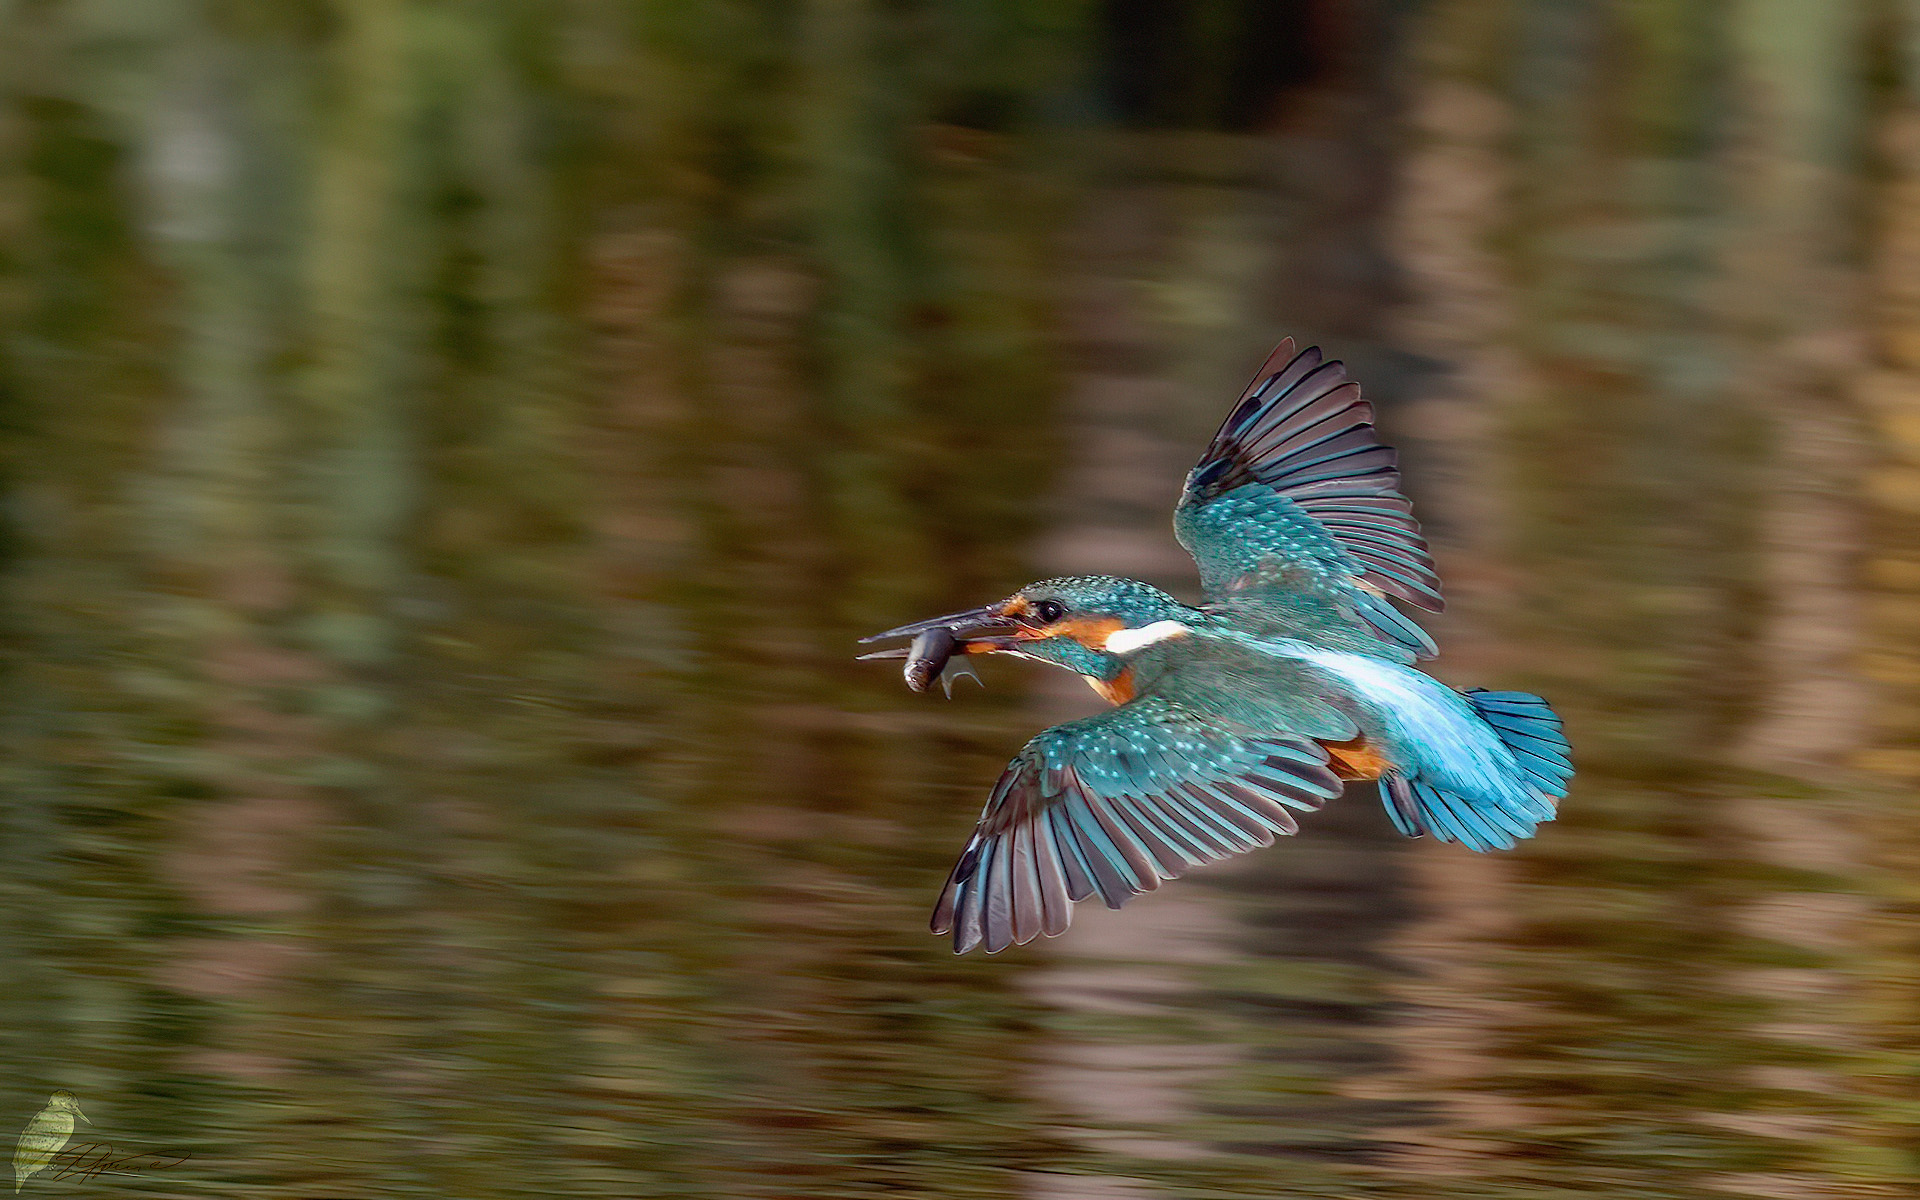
(1113, 804)
(1296, 492)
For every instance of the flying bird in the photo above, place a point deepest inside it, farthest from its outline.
(1291, 679)
(45, 1136)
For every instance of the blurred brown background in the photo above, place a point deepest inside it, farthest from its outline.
(450, 447)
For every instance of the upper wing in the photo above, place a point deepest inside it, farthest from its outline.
(1112, 805)
(1297, 492)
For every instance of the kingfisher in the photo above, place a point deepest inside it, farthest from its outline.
(1293, 677)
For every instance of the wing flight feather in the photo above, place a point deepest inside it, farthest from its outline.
(1296, 492)
(1111, 805)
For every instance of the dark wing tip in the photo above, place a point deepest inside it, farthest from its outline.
(1276, 362)
(1303, 430)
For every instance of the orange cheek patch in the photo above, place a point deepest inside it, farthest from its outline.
(1091, 632)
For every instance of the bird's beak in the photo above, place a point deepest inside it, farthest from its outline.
(977, 630)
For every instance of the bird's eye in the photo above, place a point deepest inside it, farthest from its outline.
(1049, 610)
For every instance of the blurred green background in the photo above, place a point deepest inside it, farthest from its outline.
(449, 447)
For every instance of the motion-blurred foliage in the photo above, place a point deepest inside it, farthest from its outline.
(450, 446)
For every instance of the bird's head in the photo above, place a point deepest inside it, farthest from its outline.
(66, 1101)
(1087, 623)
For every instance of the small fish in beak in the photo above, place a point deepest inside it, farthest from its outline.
(937, 654)
(941, 646)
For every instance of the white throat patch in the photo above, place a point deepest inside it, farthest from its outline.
(1126, 641)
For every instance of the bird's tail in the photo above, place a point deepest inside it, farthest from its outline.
(1531, 733)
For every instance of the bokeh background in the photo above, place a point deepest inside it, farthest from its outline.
(448, 449)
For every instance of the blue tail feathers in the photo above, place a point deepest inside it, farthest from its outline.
(1530, 730)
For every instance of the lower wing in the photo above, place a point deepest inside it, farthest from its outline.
(1115, 803)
